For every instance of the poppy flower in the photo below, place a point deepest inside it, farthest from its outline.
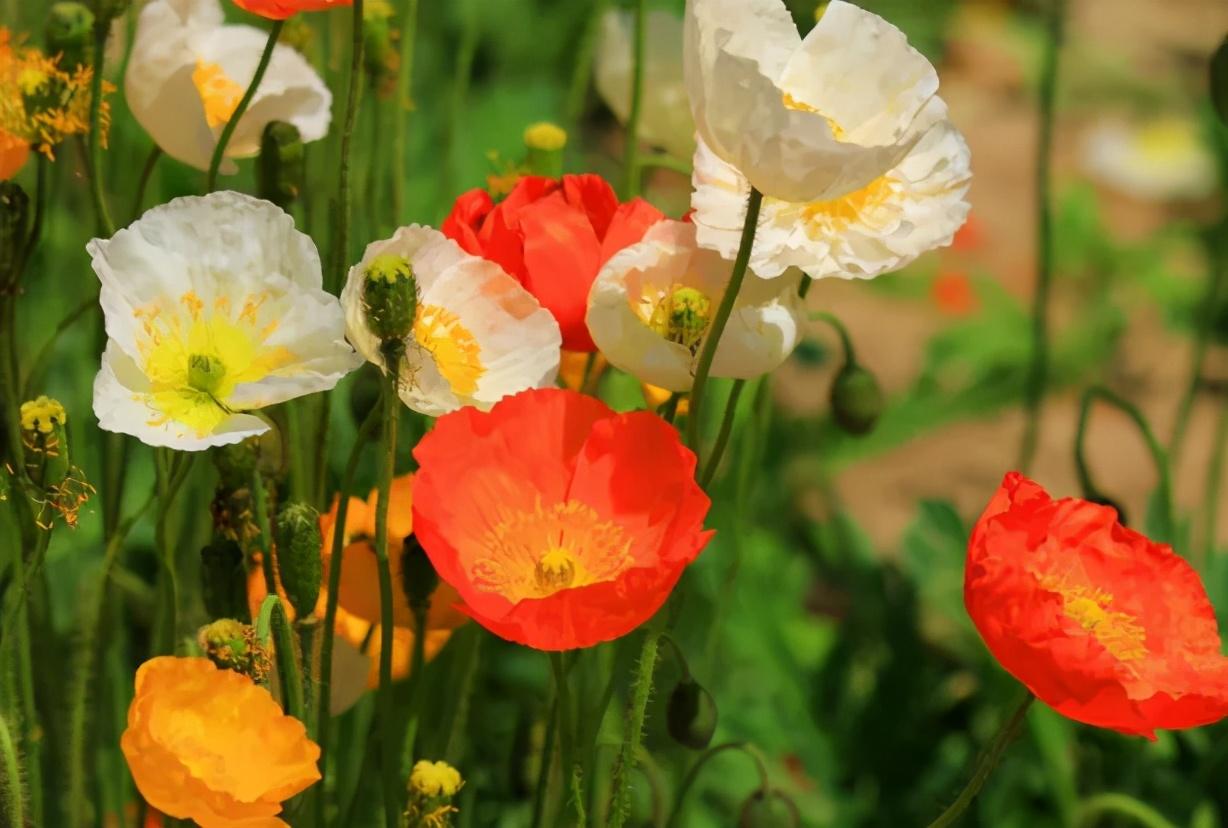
(553, 236)
(210, 745)
(1102, 624)
(281, 9)
(571, 532)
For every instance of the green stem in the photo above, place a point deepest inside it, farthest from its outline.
(273, 621)
(341, 255)
(723, 312)
(417, 665)
(172, 471)
(39, 365)
(722, 437)
(692, 775)
(846, 341)
(543, 768)
(1038, 371)
(102, 214)
(1122, 805)
(389, 758)
(404, 105)
(1215, 285)
(631, 151)
(637, 708)
(30, 732)
(1215, 477)
(228, 131)
(566, 731)
(12, 796)
(582, 69)
(986, 764)
(151, 163)
(40, 212)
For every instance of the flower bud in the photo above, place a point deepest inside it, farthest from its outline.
(69, 32)
(223, 580)
(14, 229)
(45, 440)
(683, 317)
(281, 167)
(1219, 81)
(232, 645)
(298, 555)
(390, 296)
(768, 809)
(856, 399)
(545, 143)
(418, 575)
(690, 714)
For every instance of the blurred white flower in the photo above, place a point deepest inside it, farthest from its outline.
(188, 71)
(665, 117)
(1161, 160)
(652, 304)
(478, 336)
(915, 207)
(214, 308)
(806, 120)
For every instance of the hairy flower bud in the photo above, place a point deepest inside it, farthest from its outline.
(45, 439)
(691, 714)
(298, 555)
(545, 143)
(223, 579)
(69, 32)
(856, 399)
(768, 808)
(232, 645)
(281, 168)
(390, 297)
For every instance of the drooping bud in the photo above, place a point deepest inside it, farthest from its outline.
(232, 645)
(298, 555)
(390, 297)
(69, 32)
(418, 575)
(14, 229)
(769, 808)
(381, 56)
(1219, 81)
(281, 168)
(545, 143)
(683, 317)
(691, 714)
(45, 439)
(223, 580)
(856, 399)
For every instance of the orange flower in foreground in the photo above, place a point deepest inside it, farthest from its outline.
(561, 523)
(14, 152)
(210, 745)
(281, 9)
(1102, 624)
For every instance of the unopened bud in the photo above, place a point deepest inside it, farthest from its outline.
(14, 229)
(223, 580)
(69, 32)
(683, 317)
(769, 809)
(418, 575)
(544, 143)
(856, 399)
(691, 714)
(281, 168)
(45, 440)
(390, 296)
(232, 645)
(298, 555)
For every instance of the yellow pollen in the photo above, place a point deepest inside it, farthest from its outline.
(218, 93)
(835, 215)
(42, 415)
(1090, 608)
(452, 346)
(555, 570)
(545, 137)
(793, 103)
(681, 315)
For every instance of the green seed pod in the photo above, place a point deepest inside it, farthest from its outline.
(418, 576)
(1219, 81)
(14, 229)
(69, 32)
(856, 399)
(390, 297)
(223, 580)
(232, 645)
(298, 555)
(690, 714)
(282, 167)
(769, 809)
(544, 143)
(45, 439)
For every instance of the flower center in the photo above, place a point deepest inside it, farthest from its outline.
(678, 313)
(534, 554)
(835, 215)
(456, 351)
(1090, 608)
(793, 103)
(218, 93)
(205, 372)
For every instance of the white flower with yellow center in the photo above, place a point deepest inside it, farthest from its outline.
(477, 336)
(188, 71)
(915, 207)
(652, 305)
(1166, 159)
(806, 120)
(214, 308)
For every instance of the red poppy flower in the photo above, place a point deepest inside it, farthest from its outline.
(281, 9)
(1102, 624)
(561, 523)
(553, 236)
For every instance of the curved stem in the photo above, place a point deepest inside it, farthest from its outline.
(151, 163)
(582, 70)
(1038, 370)
(228, 131)
(637, 708)
(986, 765)
(631, 152)
(389, 758)
(102, 214)
(693, 774)
(846, 341)
(44, 353)
(740, 264)
(722, 437)
(1122, 805)
(40, 212)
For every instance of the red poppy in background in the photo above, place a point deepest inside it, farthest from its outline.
(1102, 624)
(281, 9)
(571, 531)
(553, 236)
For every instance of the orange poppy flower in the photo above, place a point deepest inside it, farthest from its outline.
(210, 745)
(561, 523)
(553, 237)
(281, 9)
(953, 293)
(14, 152)
(1099, 622)
(358, 610)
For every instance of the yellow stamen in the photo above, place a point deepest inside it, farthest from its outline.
(1118, 632)
(682, 316)
(791, 102)
(455, 350)
(218, 93)
(42, 415)
(545, 136)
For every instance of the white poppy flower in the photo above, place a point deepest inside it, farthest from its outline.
(214, 308)
(477, 337)
(665, 117)
(188, 71)
(1162, 160)
(806, 120)
(915, 207)
(652, 304)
